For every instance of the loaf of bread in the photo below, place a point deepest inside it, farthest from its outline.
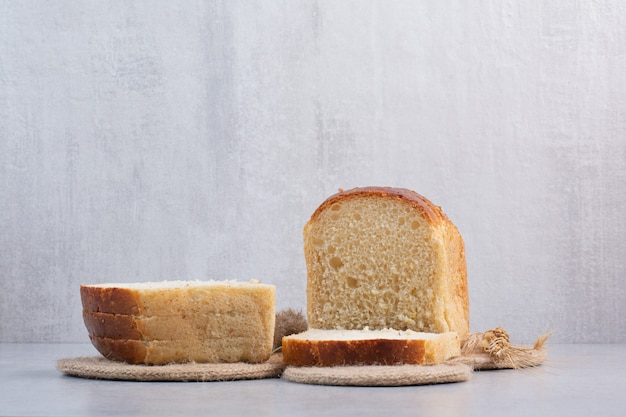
(381, 257)
(156, 323)
(316, 347)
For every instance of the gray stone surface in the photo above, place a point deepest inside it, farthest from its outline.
(578, 380)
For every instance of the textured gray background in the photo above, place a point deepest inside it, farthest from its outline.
(158, 140)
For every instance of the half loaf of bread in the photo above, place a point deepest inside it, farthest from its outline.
(383, 257)
(156, 323)
(316, 347)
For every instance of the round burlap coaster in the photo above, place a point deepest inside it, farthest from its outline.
(101, 368)
(379, 376)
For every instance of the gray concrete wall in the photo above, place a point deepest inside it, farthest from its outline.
(192, 140)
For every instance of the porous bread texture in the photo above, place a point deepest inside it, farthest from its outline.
(181, 321)
(316, 347)
(383, 257)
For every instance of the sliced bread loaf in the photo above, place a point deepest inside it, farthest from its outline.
(181, 321)
(316, 347)
(382, 257)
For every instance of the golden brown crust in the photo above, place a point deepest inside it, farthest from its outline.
(433, 213)
(120, 350)
(110, 300)
(115, 326)
(353, 352)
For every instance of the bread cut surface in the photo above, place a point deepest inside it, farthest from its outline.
(316, 347)
(382, 257)
(181, 321)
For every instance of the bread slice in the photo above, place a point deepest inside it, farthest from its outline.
(181, 298)
(198, 326)
(382, 257)
(163, 352)
(317, 347)
(181, 321)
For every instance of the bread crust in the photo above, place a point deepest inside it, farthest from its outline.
(433, 213)
(114, 326)
(110, 300)
(133, 353)
(353, 352)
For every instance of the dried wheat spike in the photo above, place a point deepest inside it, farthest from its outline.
(496, 343)
(288, 322)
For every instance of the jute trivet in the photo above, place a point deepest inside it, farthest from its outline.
(102, 368)
(379, 376)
